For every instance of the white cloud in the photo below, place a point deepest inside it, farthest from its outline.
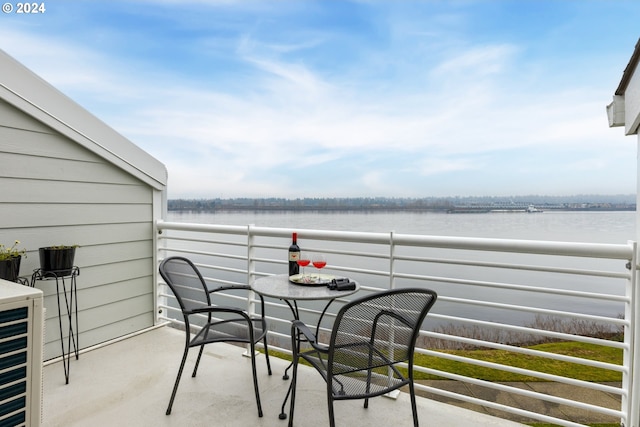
(476, 61)
(425, 117)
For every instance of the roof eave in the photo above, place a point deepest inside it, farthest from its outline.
(28, 92)
(629, 70)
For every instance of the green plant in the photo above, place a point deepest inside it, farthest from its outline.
(59, 247)
(11, 252)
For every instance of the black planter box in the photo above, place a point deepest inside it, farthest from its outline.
(10, 269)
(58, 261)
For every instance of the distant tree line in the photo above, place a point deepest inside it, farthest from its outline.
(577, 202)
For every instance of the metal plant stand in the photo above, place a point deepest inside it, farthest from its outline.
(71, 306)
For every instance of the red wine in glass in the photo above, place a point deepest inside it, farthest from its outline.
(319, 264)
(303, 261)
(319, 261)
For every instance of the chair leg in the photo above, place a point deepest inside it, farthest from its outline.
(266, 354)
(255, 378)
(292, 389)
(414, 409)
(195, 368)
(332, 420)
(175, 386)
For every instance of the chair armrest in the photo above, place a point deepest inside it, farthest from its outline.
(217, 309)
(300, 326)
(240, 288)
(311, 338)
(230, 287)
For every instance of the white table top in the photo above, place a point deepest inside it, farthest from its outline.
(280, 287)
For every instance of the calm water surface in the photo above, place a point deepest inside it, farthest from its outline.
(593, 227)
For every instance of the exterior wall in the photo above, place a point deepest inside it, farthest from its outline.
(632, 104)
(54, 191)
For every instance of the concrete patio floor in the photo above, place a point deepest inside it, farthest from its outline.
(128, 383)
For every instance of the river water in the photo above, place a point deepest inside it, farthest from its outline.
(591, 227)
(586, 226)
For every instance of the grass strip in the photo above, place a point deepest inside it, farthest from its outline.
(534, 363)
(590, 425)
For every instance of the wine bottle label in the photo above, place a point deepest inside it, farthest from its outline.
(294, 256)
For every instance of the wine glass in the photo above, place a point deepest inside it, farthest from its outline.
(319, 261)
(303, 261)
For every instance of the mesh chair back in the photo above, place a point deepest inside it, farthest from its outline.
(370, 336)
(186, 282)
(228, 325)
(380, 330)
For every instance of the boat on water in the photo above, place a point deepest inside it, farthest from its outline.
(528, 209)
(467, 210)
(487, 209)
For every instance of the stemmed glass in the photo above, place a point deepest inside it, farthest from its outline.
(319, 261)
(303, 261)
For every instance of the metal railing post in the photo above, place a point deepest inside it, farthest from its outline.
(251, 305)
(251, 308)
(631, 380)
(158, 299)
(392, 284)
(392, 261)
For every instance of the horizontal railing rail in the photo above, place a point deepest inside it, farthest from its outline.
(509, 297)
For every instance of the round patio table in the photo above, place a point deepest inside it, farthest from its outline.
(279, 286)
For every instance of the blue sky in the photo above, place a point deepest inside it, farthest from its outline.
(350, 98)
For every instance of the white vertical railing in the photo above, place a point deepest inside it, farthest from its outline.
(392, 262)
(251, 301)
(632, 339)
(484, 285)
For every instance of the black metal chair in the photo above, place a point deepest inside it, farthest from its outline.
(230, 324)
(370, 337)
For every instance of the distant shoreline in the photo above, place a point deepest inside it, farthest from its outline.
(460, 210)
(532, 204)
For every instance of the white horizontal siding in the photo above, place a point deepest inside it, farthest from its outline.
(632, 104)
(12, 118)
(36, 142)
(131, 283)
(56, 169)
(20, 190)
(55, 191)
(21, 88)
(52, 215)
(87, 236)
(116, 324)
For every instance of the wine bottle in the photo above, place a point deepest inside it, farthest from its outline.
(294, 254)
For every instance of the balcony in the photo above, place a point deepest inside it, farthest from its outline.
(497, 295)
(122, 382)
